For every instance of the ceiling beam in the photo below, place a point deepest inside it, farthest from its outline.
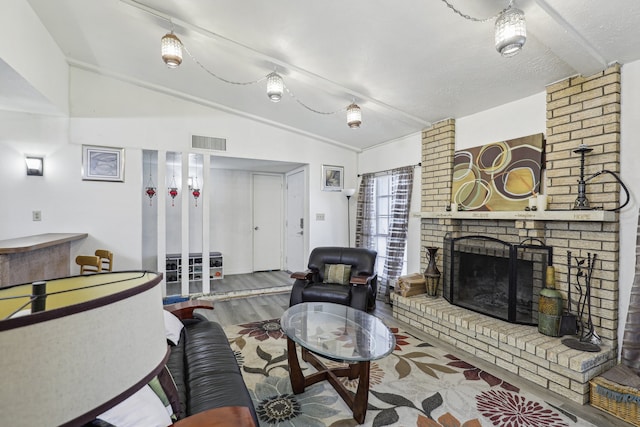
(575, 49)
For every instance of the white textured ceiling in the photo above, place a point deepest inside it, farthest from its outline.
(407, 63)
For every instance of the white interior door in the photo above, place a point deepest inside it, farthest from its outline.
(267, 222)
(295, 223)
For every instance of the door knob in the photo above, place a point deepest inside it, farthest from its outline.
(255, 228)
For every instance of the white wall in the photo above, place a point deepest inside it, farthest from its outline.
(526, 116)
(394, 154)
(630, 175)
(231, 231)
(109, 112)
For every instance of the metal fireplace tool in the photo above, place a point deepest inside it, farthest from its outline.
(589, 339)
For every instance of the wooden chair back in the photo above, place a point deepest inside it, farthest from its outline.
(89, 264)
(106, 258)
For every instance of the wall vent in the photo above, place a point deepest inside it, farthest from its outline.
(208, 143)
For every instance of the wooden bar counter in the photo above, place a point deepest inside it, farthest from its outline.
(39, 257)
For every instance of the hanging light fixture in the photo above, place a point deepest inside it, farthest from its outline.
(510, 28)
(173, 188)
(195, 187)
(196, 191)
(275, 87)
(150, 190)
(354, 116)
(171, 50)
(510, 32)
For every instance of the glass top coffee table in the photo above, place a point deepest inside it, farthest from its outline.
(339, 333)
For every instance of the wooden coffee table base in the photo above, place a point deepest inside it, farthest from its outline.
(360, 370)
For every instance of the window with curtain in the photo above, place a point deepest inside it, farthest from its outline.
(382, 220)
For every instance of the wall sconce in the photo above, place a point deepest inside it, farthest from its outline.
(35, 165)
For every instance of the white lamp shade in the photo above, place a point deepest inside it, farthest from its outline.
(171, 48)
(510, 32)
(349, 192)
(354, 116)
(89, 349)
(275, 87)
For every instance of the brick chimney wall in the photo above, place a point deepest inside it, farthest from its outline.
(579, 110)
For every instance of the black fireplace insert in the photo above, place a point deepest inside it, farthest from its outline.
(494, 277)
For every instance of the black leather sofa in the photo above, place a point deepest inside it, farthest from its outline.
(360, 291)
(207, 375)
(210, 389)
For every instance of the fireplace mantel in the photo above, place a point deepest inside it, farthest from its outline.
(567, 215)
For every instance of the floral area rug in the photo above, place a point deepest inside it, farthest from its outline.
(416, 385)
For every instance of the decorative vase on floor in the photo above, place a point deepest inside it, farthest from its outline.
(432, 274)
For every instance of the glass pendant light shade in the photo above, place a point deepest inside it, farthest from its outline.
(510, 32)
(275, 87)
(354, 116)
(171, 50)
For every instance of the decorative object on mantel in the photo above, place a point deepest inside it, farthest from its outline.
(432, 274)
(582, 202)
(589, 339)
(501, 176)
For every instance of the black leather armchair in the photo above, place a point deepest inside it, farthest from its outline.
(361, 289)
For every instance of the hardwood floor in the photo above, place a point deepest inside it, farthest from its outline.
(241, 301)
(235, 310)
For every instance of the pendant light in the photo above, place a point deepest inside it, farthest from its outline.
(171, 47)
(354, 116)
(510, 32)
(275, 87)
(150, 190)
(195, 191)
(173, 188)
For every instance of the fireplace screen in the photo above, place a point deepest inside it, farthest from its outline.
(494, 277)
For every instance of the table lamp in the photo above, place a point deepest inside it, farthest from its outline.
(74, 347)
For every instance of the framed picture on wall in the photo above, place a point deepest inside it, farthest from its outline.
(332, 178)
(102, 163)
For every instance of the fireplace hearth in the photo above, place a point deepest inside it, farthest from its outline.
(494, 277)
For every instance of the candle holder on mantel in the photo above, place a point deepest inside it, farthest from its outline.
(432, 274)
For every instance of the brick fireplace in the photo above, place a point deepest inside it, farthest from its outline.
(579, 110)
